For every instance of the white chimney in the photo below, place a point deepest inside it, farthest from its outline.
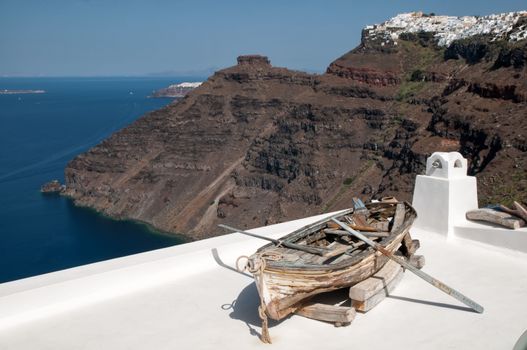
(444, 194)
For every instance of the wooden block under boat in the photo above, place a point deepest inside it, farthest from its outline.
(417, 261)
(327, 313)
(409, 246)
(416, 244)
(374, 300)
(373, 285)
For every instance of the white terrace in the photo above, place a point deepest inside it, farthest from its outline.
(191, 297)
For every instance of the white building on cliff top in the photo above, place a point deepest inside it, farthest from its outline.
(450, 28)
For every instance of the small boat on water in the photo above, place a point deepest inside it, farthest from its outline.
(322, 257)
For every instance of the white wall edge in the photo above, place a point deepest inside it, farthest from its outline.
(49, 294)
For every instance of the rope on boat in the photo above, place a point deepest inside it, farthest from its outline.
(247, 266)
(256, 266)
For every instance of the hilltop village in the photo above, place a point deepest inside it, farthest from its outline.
(446, 29)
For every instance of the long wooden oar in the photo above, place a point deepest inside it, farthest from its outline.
(304, 248)
(309, 227)
(436, 283)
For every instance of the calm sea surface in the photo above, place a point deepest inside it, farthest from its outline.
(39, 134)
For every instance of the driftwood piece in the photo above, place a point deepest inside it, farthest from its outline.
(328, 313)
(495, 217)
(373, 285)
(374, 300)
(519, 211)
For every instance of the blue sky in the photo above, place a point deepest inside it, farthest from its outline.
(137, 37)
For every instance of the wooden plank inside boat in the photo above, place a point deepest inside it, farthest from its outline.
(398, 218)
(365, 233)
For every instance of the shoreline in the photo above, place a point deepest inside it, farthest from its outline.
(148, 226)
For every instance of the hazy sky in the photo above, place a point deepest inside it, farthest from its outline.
(135, 37)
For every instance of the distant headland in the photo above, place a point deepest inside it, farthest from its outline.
(17, 92)
(177, 90)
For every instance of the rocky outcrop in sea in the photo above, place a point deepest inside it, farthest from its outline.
(53, 186)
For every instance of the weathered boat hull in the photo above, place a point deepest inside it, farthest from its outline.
(284, 289)
(283, 292)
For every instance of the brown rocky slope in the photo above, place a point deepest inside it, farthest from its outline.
(257, 144)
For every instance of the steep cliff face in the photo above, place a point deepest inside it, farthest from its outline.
(256, 144)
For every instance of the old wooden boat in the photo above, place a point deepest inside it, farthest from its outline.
(287, 274)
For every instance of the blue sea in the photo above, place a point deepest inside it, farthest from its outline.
(39, 134)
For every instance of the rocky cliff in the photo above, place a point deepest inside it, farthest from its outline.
(257, 144)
